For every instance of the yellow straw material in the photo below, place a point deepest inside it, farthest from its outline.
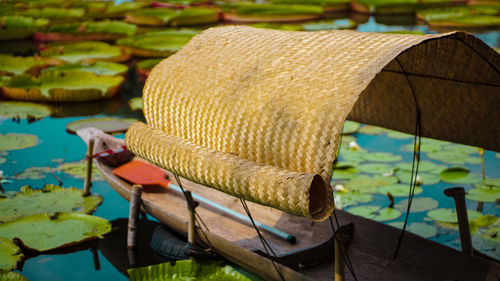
(272, 104)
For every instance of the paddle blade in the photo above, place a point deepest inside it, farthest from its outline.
(140, 172)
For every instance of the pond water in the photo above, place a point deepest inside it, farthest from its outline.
(56, 146)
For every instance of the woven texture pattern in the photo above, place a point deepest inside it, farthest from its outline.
(280, 98)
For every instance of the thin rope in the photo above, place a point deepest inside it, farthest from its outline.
(415, 162)
(197, 216)
(262, 239)
(343, 252)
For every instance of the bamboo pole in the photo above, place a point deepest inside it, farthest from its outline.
(191, 226)
(135, 203)
(458, 194)
(339, 260)
(88, 174)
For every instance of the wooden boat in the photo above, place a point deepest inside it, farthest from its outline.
(369, 244)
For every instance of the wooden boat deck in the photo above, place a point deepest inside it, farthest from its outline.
(370, 249)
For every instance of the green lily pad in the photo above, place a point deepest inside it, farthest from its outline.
(157, 43)
(427, 145)
(352, 198)
(376, 168)
(106, 124)
(50, 199)
(63, 86)
(372, 130)
(382, 157)
(483, 193)
(10, 255)
(398, 135)
(497, 155)
(350, 127)
(492, 182)
(19, 27)
(53, 13)
(488, 242)
(364, 183)
(75, 31)
(189, 270)
(135, 103)
(422, 178)
(461, 148)
(418, 204)
(17, 65)
(73, 52)
(267, 10)
(3, 160)
(78, 170)
(148, 64)
(344, 172)
(99, 68)
(423, 166)
(55, 231)
(15, 141)
(449, 216)
(398, 190)
(375, 212)
(110, 9)
(352, 155)
(330, 25)
(459, 175)
(279, 26)
(17, 109)
(32, 173)
(173, 17)
(449, 156)
(484, 221)
(11, 276)
(419, 228)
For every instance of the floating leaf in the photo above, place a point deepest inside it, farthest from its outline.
(157, 43)
(423, 178)
(15, 141)
(173, 17)
(330, 25)
(419, 204)
(50, 199)
(135, 103)
(398, 135)
(10, 255)
(492, 182)
(106, 124)
(3, 160)
(350, 127)
(55, 231)
(353, 198)
(372, 130)
(78, 170)
(345, 172)
(11, 276)
(419, 228)
(17, 109)
(17, 65)
(488, 242)
(53, 13)
(364, 183)
(459, 175)
(98, 67)
(485, 221)
(32, 173)
(382, 157)
(423, 166)
(375, 212)
(19, 27)
(483, 193)
(427, 145)
(189, 270)
(398, 190)
(376, 168)
(450, 157)
(449, 216)
(89, 51)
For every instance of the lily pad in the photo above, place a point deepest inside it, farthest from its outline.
(85, 51)
(330, 25)
(375, 212)
(344, 172)
(189, 270)
(173, 17)
(398, 135)
(376, 168)
(419, 228)
(427, 145)
(422, 178)
(372, 130)
(449, 216)
(382, 157)
(50, 199)
(19, 27)
(10, 255)
(55, 231)
(53, 13)
(350, 127)
(423, 166)
(135, 103)
(398, 190)
(259, 12)
(483, 193)
(32, 173)
(418, 204)
(352, 198)
(106, 124)
(99, 68)
(17, 65)
(459, 175)
(157, 43)
(449, 156)
(78, 170)
(58, 86)
(363, 183)
(11, 276)
(488, 242)
(17, 109)
(15, 141)
(101, 30)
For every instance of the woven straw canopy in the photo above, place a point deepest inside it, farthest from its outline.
(257, 113)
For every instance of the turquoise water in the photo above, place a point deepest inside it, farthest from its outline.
(57, 146)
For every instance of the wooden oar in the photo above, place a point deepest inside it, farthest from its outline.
(145, 174)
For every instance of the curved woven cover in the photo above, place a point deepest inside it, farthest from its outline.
(258, 113)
